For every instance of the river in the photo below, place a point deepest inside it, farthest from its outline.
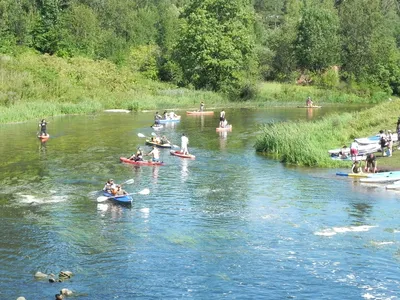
(231, 224)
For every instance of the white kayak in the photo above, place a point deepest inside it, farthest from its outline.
(374, 139)
(381, 179)
(349, 158)
(394, 186)
(362, 149)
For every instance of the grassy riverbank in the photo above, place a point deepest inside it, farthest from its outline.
(36, 86)
(307, 143)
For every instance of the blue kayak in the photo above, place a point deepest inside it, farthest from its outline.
(126, 199)
(177, 119)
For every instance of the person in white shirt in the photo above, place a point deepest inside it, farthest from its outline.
(184, 144)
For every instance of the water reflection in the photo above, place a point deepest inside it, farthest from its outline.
(154, 173)
(184, 170)
(42, 148)
(310, 113)
(223, 135)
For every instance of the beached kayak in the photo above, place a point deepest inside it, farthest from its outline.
(227, 128)
(383, 179)
(177, 119)
(44, 137)
(148, 142)
(124, 199)
(195, 113)
(354, 175)
(180, 154)
(348, 158)
(305, 106)
(141, 163)
(362, 149)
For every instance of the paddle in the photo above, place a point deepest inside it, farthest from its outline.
(145, 191)
(129, 181)
(141, 135)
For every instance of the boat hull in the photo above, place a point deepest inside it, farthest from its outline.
(180, 154)
(148, 142)
(140, 163)
(177, 119)
(123, 199)
(228, 128)
(199, 113)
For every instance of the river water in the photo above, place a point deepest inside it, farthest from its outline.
(231, 224)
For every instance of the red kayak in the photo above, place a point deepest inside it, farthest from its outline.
(210, 112)
(140, 163)
(180, 154)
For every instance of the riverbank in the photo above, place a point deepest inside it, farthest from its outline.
(307, 143)
(41, 86)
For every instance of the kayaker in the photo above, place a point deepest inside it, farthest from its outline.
(155, 153)
(138, 156)
(173, 115)
(157, 118)
(356, 167)
(370, 163)
(43, 127)
(201, 106)
(109, 186)
(221, 117)
(164, 140)
(166, 115)
(184, 144)
(343, 152)
(118, 190)
(309, 102)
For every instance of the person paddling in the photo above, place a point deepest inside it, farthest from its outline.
(221, 118)
(155, 153)
(138, 156)
(201, 106)
(309, 102)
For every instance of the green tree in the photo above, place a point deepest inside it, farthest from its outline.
(317, 44)
(216, 45)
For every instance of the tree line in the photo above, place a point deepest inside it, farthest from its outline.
(219, 45)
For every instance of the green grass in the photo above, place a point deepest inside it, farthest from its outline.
(307, 143)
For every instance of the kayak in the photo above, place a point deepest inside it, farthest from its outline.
(194, 113)
(159, 126)
(367, 148)
(305, 106)
(44, 137)
(394, 186)
(141, 163)
(354, 175)
(177, 119)
(148, 142)
(117, 110)
(228, 128)
(180, 154)
(377, 179)
(375, 139)
(125, 199)
(348, 158)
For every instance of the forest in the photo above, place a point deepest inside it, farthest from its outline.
(219, 45)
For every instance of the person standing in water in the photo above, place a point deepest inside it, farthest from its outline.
(221, 118)
(43, 127)
(202, 106)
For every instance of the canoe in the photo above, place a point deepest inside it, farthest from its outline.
(124, 199)
(180, 154)
(353, 175)
(228, 128)
(44, 137)
(383, 179)
(177, 119)
(196, 113)
(117, 110)
(141, 163)
(305, 106)
(148, 142)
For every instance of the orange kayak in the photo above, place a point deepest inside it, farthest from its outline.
(180, 154)
(195, 113)
(228, 128)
